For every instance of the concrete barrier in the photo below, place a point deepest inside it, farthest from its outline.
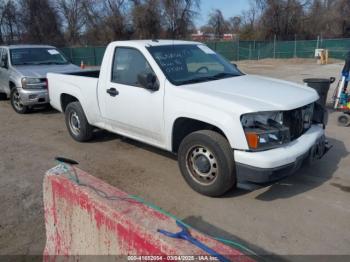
(85, 216)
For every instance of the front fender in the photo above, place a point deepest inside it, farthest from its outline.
(229, 124)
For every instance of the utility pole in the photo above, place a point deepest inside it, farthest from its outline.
(238, 48)
(250, 51)
(274, 47)
(295, 45)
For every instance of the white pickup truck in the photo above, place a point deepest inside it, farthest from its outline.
(225, 126)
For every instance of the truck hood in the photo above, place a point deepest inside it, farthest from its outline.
(251, 93)
(41, 70)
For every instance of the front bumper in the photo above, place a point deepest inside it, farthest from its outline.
(31, 97)
(274, 164)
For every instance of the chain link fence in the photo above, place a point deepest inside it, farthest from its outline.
(256, 50)
(236, 50)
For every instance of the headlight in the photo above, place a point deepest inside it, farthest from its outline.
(34, 83)
(265, 130)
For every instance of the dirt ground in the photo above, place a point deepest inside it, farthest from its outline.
(307, 213)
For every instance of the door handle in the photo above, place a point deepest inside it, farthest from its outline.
(112, 92)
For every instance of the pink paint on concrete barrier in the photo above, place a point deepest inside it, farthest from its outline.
(94, 218)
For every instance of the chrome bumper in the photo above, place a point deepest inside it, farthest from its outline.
(32, 97)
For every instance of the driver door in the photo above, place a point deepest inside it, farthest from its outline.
(131, 109)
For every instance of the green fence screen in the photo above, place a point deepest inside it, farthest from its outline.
(236, 50)
(89, 55)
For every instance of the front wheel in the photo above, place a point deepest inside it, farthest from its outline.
(17, 103)
(206, 162)
(77, 124)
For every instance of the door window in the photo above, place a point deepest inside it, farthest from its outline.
(128, 63)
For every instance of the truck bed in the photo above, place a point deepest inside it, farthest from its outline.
(81, 85)
(86, 73)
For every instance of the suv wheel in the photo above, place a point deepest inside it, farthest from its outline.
(77, 124)
(206, 162)
(16, 102)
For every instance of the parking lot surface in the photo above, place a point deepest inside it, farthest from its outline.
(307, 213)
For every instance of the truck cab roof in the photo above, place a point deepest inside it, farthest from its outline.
(154, 42)
(26, 46)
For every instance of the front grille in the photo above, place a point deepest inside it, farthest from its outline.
(298, 120)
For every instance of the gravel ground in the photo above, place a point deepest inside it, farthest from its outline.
(307, 213)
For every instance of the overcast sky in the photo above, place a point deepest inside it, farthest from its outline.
(228, 7)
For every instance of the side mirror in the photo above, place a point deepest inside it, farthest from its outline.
(235, 65)
(148, 81)
(4, 64)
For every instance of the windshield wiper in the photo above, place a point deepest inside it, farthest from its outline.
(207, 78)
(24, 63)
(223, 75)
(197, 80)
(50, 63)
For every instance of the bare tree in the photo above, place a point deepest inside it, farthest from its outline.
(73, 16)
(146, 18)
(105, 21)
(235, 23)
(40, 22)
(218, 23)
(178, 16)
(9, 23)
(344, 11)
(268, 18)
(250, 20)
(115, 19)
(94, 33)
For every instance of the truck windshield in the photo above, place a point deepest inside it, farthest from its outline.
(186, 64)
(36, 56)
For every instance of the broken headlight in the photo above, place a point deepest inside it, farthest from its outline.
(265, 130)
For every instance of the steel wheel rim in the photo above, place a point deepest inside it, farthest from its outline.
(202, 165)
(17, 102)
(74, 123)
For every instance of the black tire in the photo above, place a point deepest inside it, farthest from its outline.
(344, 120)
(16, 102)
(77, 124)
(215, 173)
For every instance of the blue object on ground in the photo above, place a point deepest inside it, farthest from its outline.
(185, 235)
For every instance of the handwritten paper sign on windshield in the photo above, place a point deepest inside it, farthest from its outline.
(172, 61)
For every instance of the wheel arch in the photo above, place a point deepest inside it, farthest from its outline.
(66, 99)
(183, 126)
(11, 85)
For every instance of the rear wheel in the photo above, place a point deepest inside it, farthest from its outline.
(16, 102)
(77, 124)
(206, 162)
